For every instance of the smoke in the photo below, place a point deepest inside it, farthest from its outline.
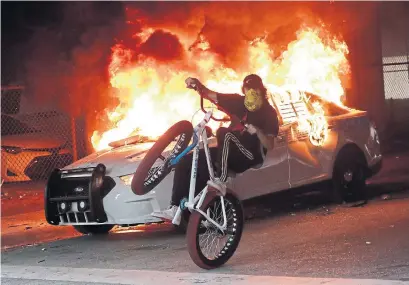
(67, 63)
(162, 46)
(228, 27)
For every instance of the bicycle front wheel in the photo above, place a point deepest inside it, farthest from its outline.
(154, 167)
(208, 246)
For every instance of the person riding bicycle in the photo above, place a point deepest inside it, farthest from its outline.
(238, 148)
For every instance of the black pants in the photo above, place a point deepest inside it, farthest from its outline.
(234, 152)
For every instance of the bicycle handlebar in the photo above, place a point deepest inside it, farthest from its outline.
(213, 118)
(195, 87)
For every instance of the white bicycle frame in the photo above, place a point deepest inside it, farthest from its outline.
(201, 134)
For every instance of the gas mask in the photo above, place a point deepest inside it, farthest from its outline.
(253, 99)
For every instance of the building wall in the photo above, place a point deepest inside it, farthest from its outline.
(395, 59)
(364, 40)
(378, 39)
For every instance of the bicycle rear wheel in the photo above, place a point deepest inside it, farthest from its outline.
(150, 171)
(208, 247)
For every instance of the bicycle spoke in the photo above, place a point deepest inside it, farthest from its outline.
(213, 241)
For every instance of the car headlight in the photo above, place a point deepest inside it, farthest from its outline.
(12, 149)
(127, 179)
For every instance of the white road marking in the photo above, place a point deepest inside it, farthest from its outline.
(146, 277)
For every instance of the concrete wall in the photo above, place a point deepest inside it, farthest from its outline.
(395, 55)
(364, 40)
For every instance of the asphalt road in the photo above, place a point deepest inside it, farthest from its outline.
(299, 237)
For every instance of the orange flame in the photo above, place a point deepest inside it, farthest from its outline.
(153, 95)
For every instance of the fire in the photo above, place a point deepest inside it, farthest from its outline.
(317, 127)
(153, 94)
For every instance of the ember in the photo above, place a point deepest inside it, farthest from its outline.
(153, 94)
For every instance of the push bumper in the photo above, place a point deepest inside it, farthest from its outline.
(75, 196)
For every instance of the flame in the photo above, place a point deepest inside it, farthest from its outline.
(153, 95)
(318, 126)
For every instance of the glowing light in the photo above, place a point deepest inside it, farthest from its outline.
(153, 94)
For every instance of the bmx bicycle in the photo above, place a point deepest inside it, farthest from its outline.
(216, 221)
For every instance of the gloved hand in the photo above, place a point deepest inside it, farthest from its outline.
(193, 83)
(251, 129)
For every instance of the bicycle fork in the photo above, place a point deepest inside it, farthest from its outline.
(191, 206)
(191, 202)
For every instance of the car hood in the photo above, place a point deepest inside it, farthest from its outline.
(118, 161)
(122, 160)
(32, 141)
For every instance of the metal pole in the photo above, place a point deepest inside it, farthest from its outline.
(74, 139)
(405, 35)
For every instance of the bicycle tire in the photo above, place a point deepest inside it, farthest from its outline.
(140, 184)
(193, 231)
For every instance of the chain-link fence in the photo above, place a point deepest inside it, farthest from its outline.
(395, 55)
(36, 140)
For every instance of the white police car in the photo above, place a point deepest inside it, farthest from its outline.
(94, 194)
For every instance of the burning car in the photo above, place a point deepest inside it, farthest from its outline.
(320, 139)
(94, 194)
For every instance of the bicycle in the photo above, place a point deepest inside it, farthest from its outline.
(212, 211)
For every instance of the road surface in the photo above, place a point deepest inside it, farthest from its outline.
(287, 240)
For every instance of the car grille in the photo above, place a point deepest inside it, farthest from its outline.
(73, 196)
(71, 188)
(68, 192)
(76, 218)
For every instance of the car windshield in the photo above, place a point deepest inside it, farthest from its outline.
(12, 126)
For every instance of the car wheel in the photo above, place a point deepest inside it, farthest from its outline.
(93, 229)
(348, 181)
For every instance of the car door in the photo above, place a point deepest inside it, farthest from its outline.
(270, 177)
(303, 159)
(302, 155)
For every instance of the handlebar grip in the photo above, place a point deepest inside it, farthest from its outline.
(192, 86)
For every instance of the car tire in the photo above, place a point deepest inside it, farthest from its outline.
(93, 229)
(349, 177)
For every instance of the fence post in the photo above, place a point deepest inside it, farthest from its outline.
(74, 139)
